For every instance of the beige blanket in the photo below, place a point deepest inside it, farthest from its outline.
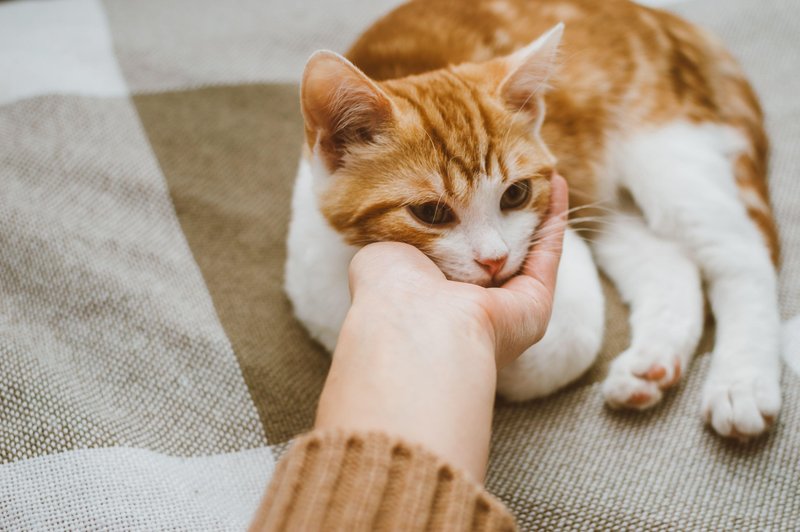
(150, 368)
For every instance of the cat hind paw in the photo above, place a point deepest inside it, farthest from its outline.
(741, 407)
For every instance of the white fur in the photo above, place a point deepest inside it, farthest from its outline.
(316, 264)
(317, 280)
(692, 222)
(791, 343)
(661, 283)
(574, 335)
(681, 176)
(485, 232)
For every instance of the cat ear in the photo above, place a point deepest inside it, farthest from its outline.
(529, 69)
(341, 106)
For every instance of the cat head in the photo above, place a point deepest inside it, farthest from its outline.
(450, 161)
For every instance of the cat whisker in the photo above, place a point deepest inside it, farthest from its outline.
(591, 206)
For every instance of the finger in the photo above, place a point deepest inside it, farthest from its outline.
(522, 306)
(544, 257)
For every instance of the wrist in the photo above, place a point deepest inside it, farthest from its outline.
(428, 377)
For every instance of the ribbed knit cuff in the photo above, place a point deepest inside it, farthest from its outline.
(334, 480)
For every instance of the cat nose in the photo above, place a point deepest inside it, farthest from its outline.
(493, 265)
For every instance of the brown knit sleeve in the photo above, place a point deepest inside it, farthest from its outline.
(371, 481)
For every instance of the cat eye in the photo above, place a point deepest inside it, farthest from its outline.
(516, 195)
(432, 213)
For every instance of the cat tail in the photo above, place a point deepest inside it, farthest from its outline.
(791, 343)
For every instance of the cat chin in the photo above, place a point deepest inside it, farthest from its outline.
(484, 281)
(480, 281)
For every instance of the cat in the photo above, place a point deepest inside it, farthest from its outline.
(442, 128)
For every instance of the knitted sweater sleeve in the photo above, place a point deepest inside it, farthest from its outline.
(332, 480)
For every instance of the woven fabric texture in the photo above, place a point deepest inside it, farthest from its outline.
(150, 367)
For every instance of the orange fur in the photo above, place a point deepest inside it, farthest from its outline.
(450, 119)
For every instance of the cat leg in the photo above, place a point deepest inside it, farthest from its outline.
(662, 286)
(574, 335)
(682, 177)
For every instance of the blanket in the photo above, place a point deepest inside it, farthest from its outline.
(151, 372)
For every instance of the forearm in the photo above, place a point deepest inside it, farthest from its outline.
(416, 362)
(423, 383)
(347, 480)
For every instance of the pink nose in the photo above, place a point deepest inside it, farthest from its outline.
(493, 265)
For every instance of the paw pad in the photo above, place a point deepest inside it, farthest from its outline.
(639, 399)
(637, 379)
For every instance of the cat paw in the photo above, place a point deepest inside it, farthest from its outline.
(637, 379)
(742, 406)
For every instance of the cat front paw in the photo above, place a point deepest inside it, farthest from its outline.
(743, 405)
(638, 378)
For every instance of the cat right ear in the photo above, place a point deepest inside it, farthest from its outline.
(341, 106)
(528, 71)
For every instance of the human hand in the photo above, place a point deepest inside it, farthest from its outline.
(513, 316)
(418, 354)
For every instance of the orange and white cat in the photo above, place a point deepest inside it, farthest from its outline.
(443, 129)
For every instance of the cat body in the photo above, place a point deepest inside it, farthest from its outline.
(444, 130)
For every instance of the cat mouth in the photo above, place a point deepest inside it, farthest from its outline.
(502, 278)
(483, 279)
(495, 281)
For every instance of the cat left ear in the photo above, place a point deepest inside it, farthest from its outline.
(529, 69)
(341, 106)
